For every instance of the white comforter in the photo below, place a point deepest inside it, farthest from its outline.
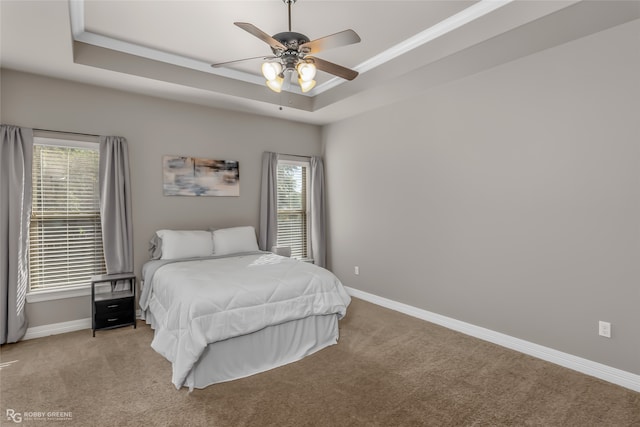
(199, 302)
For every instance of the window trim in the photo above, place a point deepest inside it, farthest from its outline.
(61, 292)
(307, 165)
(58, 293)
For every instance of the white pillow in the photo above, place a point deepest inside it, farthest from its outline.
(234, 240)
(178, 244)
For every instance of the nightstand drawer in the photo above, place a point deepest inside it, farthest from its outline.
(113, 306)
(114, 319)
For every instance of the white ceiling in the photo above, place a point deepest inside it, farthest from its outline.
(165, 48)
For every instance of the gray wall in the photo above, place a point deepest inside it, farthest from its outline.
(154, 127)
(509, 199)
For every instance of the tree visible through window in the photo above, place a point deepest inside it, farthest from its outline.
(292, 207)
(65, 237)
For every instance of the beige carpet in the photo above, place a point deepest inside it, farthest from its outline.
(387, 370)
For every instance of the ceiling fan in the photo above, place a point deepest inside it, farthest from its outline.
(292, 53)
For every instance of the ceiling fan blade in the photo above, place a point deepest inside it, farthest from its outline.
(252, 29)
(331, 68)
(220, 64)
(342, 38)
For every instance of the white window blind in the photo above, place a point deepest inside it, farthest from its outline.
(65, 238)
(292, 207)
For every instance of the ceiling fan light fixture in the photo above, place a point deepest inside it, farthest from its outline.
(276, 84)
(306, 86)
(306, 71)
(271, 70)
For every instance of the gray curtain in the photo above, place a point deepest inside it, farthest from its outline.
(115, 204)
(317, 211)
(268, 202)
(16, 157)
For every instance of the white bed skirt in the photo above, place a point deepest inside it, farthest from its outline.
(261, 351)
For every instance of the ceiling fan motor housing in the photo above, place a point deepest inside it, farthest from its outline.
(292, 41)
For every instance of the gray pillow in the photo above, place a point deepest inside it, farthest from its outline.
(155, 247)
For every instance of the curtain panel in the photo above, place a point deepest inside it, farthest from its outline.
(318, 212)
(269, 202)
(16, 157)
(115, 204)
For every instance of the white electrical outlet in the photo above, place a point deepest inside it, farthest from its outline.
(356, 270)
(604, 329)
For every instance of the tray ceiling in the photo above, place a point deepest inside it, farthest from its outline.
(164, 48)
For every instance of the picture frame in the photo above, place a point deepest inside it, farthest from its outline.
(198, 177)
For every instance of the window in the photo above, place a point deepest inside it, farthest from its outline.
(292, 207)
(65, 237)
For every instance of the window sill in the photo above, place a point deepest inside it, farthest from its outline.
(53, 294)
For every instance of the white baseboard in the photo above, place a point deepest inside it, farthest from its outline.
(57, 328)
(585, 366)
(61, 328)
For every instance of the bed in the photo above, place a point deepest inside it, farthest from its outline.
(222, 310)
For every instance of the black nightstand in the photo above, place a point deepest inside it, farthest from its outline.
(111, 308)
